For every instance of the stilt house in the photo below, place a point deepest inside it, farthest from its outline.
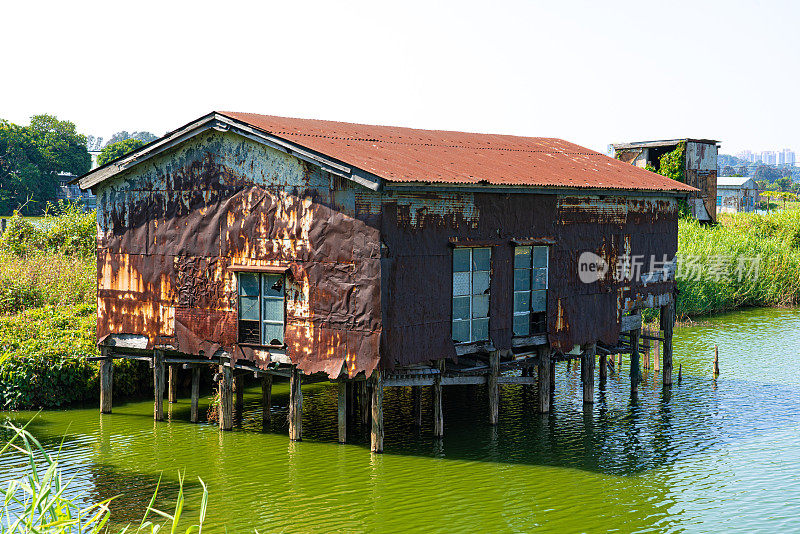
(393, 255)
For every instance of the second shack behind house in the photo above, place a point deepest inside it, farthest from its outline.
(376, 256)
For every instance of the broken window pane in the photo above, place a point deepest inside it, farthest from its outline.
(460, 331)
(273, 334)
(273, 285)
(480, 283)
(540, 279)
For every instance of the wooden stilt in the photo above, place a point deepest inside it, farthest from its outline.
(438, 411)
(172, 390)
(366, 403)
(351, 404)
(225, 398)
(295, 405)
(667, 322)
(194, 416)
(158, 385)
(416, 395)
(603, 367)
(716, 360)
(494, 388)
(238, 387)
(266, 397)
(342, 411)
(376, 437)
(636, 373)
(543, 382)
(656, 364)
(587, 372)
(552, 378)
(106, 381)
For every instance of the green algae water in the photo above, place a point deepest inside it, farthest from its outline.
(711, 455)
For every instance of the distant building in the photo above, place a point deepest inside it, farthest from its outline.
(701, 168)
(736, 193)
(787, 157)
(68, 190)
(768, 157)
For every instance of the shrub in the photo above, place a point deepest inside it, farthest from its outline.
(64, 229)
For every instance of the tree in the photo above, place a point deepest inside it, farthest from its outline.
(145, 137)
(31, 158)
(116, 150)
(784, 183)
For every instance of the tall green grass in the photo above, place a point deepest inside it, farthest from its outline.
(774, 238)
(41, 502)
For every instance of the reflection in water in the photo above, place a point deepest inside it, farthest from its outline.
(704, 456)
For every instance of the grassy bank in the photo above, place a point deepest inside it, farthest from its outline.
(48, 307)
(716, 268)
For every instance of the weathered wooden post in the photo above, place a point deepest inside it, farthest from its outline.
(716, 360)
(636, 373)
(366, 401)
(416, 396)
(194, 416)
(656, 365)
(172, 390)
(225, 398)
(543, 381)
(587, 372)
(158, 385)
(106, 380)
(438, 411)
(295, 405)
(603, 367)
(494, 388)
(680, 373)
(667, 319)
(376, 437)
(342, 410)
(266, 396)
(552, 377)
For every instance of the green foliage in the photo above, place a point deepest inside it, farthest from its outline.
(145, 137)
(39, 503)
(116, 150)
(774, 238)
(65, 229)
(673, 164)
(31, 158)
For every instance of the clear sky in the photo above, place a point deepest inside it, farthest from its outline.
(591, 72)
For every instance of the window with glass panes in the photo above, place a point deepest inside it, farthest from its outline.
(261, 308)
(530, 290)
(471, 268)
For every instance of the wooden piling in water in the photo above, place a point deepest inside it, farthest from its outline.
(587, 372)
(158, 385)
(266, 397)
(295, 405)
(225, 390)
(494, 387)
(680, 373)
(716, 360)
(636, 373)
(341, 414)
(194, 415)
(106, 381)
(656, 365)
(552, 374)
(603, 368)
(365, 401)
(376, 436)
(543, 380)
(172, 389)
(667, 319)
(438, 409)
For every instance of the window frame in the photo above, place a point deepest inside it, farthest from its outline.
(261, 299)
(471, 295)
(542, 314)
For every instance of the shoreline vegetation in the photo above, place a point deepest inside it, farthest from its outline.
(48, 281)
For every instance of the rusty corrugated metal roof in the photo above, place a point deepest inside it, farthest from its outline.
(408, 155)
